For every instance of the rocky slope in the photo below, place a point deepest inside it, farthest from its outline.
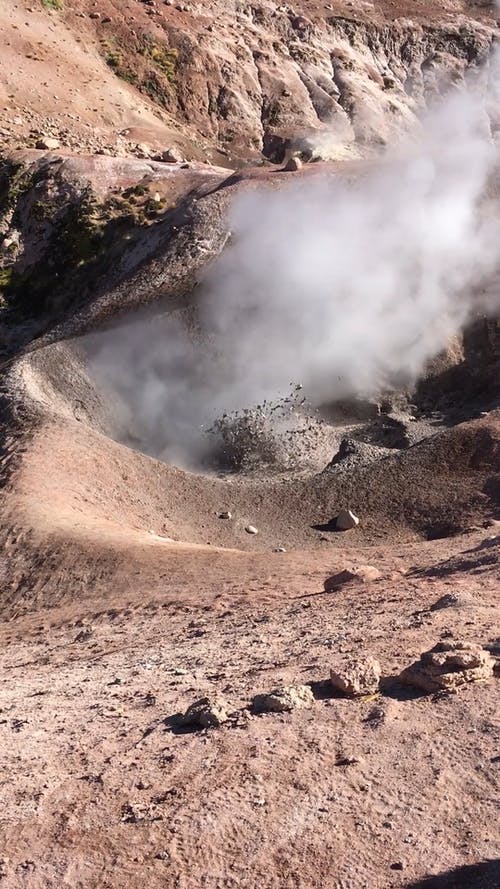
(229, 81)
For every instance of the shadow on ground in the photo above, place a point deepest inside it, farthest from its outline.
(485, 875)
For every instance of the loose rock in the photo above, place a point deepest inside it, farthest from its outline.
(171, 156)
(360, 676)
(292, 165)
(346, 520)
(251, 529)
(48, 144)
(287, 697)
(446, 601)
(205, 713)
(225, 514)
(449, 665)
(362, 574)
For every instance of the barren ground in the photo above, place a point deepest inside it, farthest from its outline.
(124, 596)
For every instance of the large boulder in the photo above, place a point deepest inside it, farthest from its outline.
(346, 520)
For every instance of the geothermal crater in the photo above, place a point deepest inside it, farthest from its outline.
(249, 266)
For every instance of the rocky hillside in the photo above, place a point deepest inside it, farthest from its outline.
(122, 124)
(228, 82)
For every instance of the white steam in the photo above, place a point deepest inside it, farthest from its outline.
(341, 286)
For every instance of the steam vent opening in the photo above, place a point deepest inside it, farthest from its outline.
(171, 391)
(156, 387)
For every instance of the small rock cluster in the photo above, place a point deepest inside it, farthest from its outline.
(443, 668)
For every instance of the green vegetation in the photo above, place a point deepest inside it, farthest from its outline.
(56, 5)
(164, 58)
(153, 70)
(15, 180)
(113, 57)
(83, 239)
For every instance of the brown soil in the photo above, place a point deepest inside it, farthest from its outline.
(126, 598)
(124, 595)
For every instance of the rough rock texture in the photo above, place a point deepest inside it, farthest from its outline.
(449, 665)
(206, 713)
(287, 697)
(356, 676)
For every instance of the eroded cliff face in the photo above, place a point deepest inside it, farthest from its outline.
(337, 87)
(230, 81)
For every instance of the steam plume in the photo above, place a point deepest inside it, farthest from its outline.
(341, 286)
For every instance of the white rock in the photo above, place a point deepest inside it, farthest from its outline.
(48, 144)
(172, 156)
(251, 529)
(346, 520)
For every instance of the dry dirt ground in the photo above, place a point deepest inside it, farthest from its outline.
(109, 629)
(124, 597)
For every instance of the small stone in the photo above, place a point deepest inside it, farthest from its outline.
(397, 865)
(48, 144)
(345, 759)
(206, 713)
(280, 549)
(171, 156)
(226, 514)
(251, 529)
(446, 601)
(292, 165)
(361, 574)
(143, 150)
(360, 676)
(448, 665)
(84, 635)
(157, 197)
(284, 698)
(346, 520)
